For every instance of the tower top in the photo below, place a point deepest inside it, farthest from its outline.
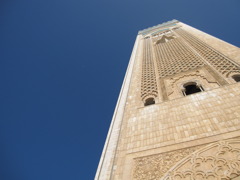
(165, 24)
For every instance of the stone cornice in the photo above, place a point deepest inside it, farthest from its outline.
(147, 30)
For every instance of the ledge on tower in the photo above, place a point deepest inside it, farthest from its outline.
(147, 30)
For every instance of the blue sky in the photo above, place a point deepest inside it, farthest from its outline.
(62, 63)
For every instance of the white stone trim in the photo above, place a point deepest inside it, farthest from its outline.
(107, 157)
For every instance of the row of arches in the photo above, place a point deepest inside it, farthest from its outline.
(188, 89)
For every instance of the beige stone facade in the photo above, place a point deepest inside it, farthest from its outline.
(178, 113)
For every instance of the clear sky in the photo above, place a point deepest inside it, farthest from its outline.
(62, 63)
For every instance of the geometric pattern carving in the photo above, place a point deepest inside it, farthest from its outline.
(217, 161)
(174, 56)
(148, 85)
(155, 166)
(221, 63)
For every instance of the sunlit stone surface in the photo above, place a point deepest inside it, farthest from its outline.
(178, 113)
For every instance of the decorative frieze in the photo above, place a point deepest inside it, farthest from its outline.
(149, 84)
(221, 63)
(217, 161)
(174, 56)
(155, 166)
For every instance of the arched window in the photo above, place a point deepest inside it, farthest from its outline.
(149, 101)
(191, 88)
(236, 77)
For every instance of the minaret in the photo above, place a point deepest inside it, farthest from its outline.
(178, 112)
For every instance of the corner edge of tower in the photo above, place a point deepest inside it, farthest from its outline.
(108, 153)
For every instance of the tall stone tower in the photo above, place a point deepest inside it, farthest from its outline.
(178, 112)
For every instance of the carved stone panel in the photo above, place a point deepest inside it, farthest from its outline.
(155, 166)
(217, 161)
(149, 84)
(220, 62)
(175, 83)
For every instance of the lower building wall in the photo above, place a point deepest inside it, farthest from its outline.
(154, 138)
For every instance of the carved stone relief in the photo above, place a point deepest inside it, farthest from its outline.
(149, 84)
(174, 56)
(155, 166)
(174, 84)
(217, 161)
(221, 63)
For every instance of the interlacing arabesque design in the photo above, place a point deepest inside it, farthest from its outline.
(220, 62)
(218, 161)
(174, 57)
(155, 166)
(149, 84)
